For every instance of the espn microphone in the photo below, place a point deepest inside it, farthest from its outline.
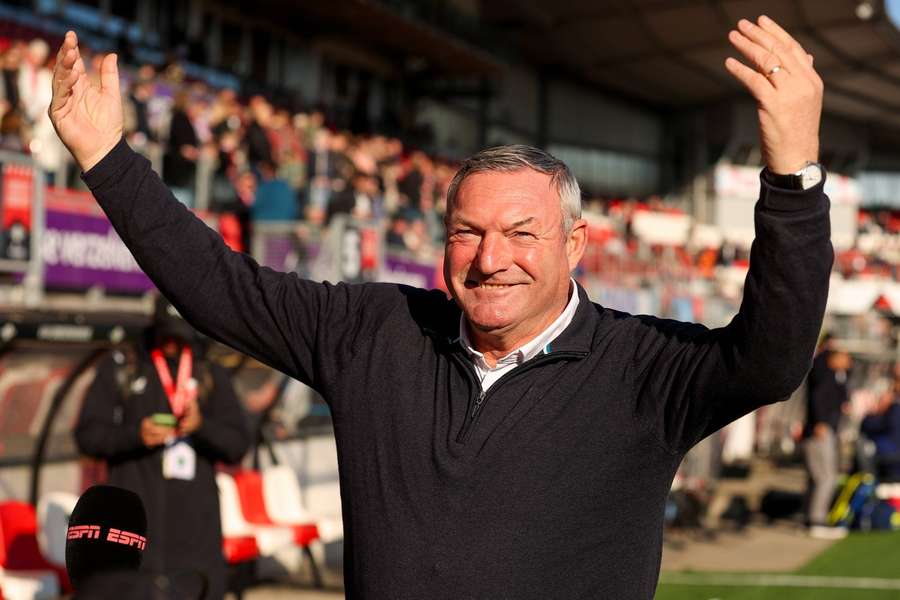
(106, 533)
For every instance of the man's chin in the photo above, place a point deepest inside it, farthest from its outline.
(489, 325)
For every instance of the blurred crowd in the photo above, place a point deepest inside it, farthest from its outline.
(223, 153)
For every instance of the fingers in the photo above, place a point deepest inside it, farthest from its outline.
(753, 80)
(753, 52)
(109, 75)
(786, 40)
(765, 50)
(64, 76)
(66, 72)
(69, 42)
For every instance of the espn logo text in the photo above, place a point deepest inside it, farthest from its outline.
(116, 536)
(76, 532)
(126, 538)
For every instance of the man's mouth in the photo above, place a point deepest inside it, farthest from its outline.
(488, 286)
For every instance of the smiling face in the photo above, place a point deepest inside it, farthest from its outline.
(507, 259)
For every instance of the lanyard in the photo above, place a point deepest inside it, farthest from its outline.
(175, 392)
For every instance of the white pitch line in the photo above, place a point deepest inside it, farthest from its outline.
(801, 581)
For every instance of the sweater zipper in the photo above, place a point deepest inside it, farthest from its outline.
(483, 396)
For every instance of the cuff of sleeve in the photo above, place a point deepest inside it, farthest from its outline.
(784, 200)
(110, 165)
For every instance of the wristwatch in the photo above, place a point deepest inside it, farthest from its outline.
(809, 176)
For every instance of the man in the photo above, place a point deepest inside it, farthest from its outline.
(520, 441)
(162, 417)
(826, 400)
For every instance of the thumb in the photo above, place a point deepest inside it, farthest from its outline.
(109, 74)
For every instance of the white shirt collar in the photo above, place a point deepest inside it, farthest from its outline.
(539, 345)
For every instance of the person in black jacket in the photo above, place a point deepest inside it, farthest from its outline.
(882, 428)
(161, 416)
(517, 441)
(183, 150)
(826, 400)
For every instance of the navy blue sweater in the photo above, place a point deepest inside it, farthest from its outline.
(555, 489)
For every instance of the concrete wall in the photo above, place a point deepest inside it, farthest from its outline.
(579, 116)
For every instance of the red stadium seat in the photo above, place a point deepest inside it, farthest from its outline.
(253, 505)
(24, 567)
(239, 549)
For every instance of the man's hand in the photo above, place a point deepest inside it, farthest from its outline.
(787, 89)
(87, 116)
(821, 431)
(192, 418)
(153, 435)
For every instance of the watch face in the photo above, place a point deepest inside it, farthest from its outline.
(811, 175)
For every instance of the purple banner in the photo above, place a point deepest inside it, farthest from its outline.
(410, 271)
(81, 250)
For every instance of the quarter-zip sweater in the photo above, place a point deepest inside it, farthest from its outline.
(555, 487)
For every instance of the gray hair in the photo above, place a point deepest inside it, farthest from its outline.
(515, 157)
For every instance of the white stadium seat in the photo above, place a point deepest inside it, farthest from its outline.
(53, 512)
(269, 539)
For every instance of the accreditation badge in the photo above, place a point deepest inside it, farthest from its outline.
(179, 461)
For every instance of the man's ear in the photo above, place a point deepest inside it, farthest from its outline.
(576, 242)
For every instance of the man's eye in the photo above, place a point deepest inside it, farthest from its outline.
(523, 234)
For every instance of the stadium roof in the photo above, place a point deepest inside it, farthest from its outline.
(670, 53)
(376, 25)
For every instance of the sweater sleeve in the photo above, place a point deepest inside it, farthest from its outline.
(690, 381)
(100, 431)
(289, 323)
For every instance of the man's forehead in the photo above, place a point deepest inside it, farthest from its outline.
(525, 191)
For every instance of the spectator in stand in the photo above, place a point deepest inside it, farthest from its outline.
(34, 81)
(12, 62)
(397, 232)
(225, 113)
(137, 116)
(827, 400)
(290, 155)
(412, 184)
(367, 195)
(256, 138)
(180, 161)
(882, 427)
(223, 196)
(321, 171)
(13, 132)
(275, 200)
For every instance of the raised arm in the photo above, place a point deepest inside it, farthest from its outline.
(691, 381)
(288, 323)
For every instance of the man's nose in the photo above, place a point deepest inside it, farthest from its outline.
(494, 253)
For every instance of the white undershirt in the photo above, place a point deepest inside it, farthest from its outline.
(539, 345)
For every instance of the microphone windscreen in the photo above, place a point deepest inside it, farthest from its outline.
(107, 532)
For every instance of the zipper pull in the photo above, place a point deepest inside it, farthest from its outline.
(478, 402)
